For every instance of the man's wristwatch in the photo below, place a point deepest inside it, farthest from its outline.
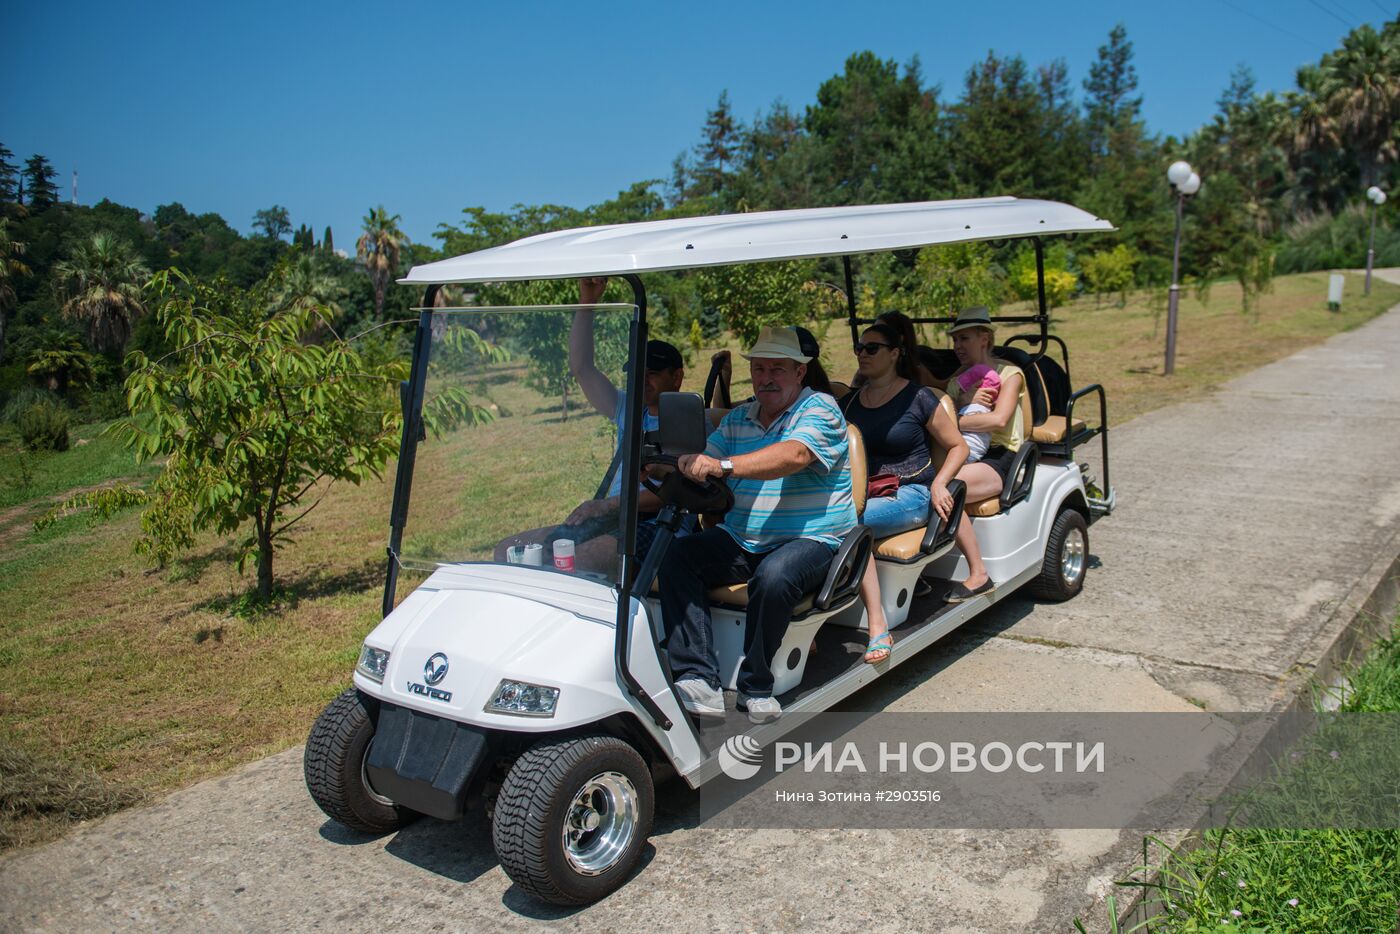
(727, 466)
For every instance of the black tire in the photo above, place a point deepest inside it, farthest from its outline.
(1066, 558)
(536, 801)
(334, 768)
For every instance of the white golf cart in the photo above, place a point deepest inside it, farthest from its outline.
(544, 691)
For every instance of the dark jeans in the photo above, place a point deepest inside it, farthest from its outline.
(777, 580)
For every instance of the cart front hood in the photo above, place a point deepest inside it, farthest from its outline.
(454, 640)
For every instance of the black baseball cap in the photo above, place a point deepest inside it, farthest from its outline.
(663, 356)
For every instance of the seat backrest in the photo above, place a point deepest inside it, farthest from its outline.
(716, 416)
(1056, 383)
(860, 471)
(1035, 406)
(839, 389)
(935, 450)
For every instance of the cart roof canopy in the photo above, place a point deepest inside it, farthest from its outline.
(691, 242)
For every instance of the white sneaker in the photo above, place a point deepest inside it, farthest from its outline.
(761, 709)
(699, 698)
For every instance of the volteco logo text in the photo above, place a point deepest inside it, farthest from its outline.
(434, 670)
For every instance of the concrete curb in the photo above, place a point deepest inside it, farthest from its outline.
(1365, 615)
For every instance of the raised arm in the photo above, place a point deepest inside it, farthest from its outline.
(597, 388)
(1001, 414)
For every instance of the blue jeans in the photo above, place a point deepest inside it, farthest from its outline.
(777, 580)
(890, 515)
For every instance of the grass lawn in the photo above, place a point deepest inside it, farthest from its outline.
(114, 677)
(1275, 880)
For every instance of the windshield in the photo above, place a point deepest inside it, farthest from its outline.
(517, 465)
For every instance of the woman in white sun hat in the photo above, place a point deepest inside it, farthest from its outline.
(973, 336)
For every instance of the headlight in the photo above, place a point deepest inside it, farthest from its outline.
(373, 663)
(523, 700)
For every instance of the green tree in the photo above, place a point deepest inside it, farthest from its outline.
(305, 281)
(955, 276)
(1111, 271)
(1108, 93)
(38, 182)
(256, 425)
(273, 223)
(752, 296)
(996, 130)
(12, 268)
(327, 243)
(715, 152)
(1356, 92)
(304, 239)
(100, 284)
(9, 177)
(379, 249)
(875, 135)
(61, 364)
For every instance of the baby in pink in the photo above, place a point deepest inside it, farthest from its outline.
(970, 380)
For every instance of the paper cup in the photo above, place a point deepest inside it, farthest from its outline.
(534, 555)
(564, 554)
(515, 554)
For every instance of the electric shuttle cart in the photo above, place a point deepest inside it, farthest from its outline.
(546, 694)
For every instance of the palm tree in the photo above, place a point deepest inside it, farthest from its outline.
(11, 268)
(61, 363)
(1352, 99)
(100, 284)
(379, 249)
(305, 283)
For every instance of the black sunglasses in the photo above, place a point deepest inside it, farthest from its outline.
(870, 347)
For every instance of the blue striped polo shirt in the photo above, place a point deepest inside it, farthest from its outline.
(813, 503)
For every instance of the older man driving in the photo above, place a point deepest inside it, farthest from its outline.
(785, 457)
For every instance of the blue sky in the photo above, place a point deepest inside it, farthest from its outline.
(428, 108)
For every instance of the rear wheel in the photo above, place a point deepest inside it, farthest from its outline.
(572, 818)
(1066, 558)
(334, 764)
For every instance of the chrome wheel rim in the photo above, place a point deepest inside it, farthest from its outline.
(600, 823)
(1072, 557)
(364, 780)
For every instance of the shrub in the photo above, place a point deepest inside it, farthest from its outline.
(1059, 285)
(1111, 271)
(1327, 242)
(44, 427)
(23, 400)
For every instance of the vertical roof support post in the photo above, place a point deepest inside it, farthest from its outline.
(411, 401)
(631, 468)
(1040, 294)
(850, 299)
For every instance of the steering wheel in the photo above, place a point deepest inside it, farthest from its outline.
(680, 491)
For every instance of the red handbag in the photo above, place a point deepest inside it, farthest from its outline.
(882, 484)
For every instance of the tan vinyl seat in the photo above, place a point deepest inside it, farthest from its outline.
(839, 389)
(1052, 430)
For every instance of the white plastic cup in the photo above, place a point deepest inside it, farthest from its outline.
(564, 554)
(515, 554)
(534, 555)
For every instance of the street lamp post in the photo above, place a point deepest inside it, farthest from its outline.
(1186, 183)
(1377, 198)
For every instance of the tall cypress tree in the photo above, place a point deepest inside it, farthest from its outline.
(38, 176)
(327, 243)
(1109, 102)
(9, 177)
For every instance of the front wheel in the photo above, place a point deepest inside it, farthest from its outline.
(1066, 558)
(334, 764)
(572, 818)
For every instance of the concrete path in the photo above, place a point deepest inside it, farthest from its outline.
(1246, 520)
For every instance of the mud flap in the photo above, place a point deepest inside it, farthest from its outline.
(424, 763)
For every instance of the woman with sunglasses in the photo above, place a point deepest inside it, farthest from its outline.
(897, 416)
